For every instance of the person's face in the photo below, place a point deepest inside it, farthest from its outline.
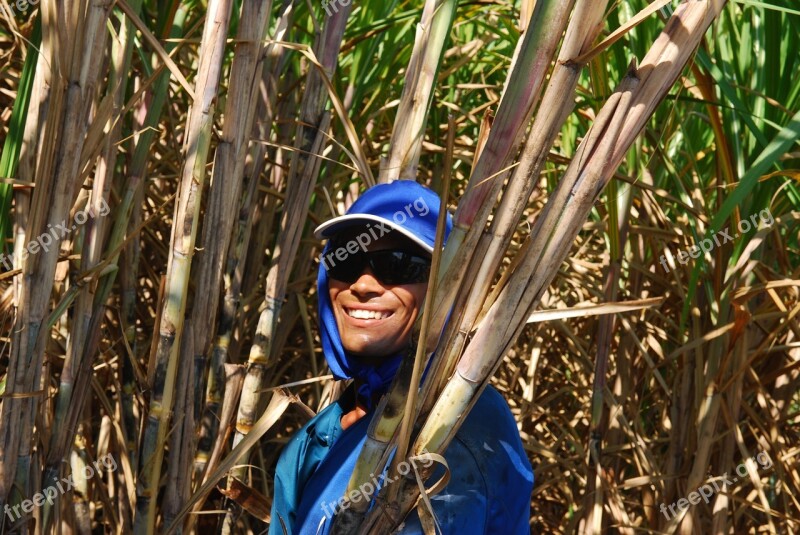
(393, 309)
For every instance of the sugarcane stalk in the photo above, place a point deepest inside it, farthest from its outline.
(18, 156)
(238, 252)
(557, 103)
(420, 358)
(81, 491)
(415, 101)
(179, 473)
(128, 216)
(228, 172)
(265, 209)
(255, 381)
(226, 185)
(617, 230)
(90, 303)
(375, 451)
(303, 171)
(515, 110)
(71, 84)
(170, 328)
(436, 375)
(26, 163)
(234, 379)
(546, 237)
(522, 89)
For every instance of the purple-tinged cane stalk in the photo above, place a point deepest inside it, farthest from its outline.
(557, 103)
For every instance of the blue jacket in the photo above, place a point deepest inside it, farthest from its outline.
(488, 493)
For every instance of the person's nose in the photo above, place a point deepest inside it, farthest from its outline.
(366, 284)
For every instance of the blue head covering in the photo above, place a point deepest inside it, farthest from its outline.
(402, 206)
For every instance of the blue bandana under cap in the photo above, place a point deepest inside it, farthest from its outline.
(406, 207)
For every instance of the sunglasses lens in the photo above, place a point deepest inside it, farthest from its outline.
(349, 269)
(399, 267)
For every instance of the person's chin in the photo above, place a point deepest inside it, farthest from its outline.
(369, 359)
(371, 348)
(370, 351)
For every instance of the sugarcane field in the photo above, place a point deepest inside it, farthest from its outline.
(284, 267)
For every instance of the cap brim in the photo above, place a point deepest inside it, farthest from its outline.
(337, 224)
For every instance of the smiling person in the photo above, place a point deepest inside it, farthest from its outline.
(372, 280)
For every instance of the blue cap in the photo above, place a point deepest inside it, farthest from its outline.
(403, 206)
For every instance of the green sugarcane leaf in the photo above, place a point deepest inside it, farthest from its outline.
(9, 160)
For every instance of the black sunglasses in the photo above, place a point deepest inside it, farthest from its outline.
(389, 267)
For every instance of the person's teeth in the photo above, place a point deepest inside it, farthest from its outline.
(367, 314)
